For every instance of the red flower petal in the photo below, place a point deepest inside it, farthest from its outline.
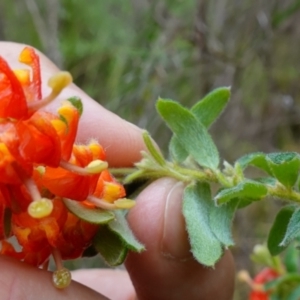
(64, 183)
(108, 188)
(13, 102)
(67, 129)
(29, 57)
(39, 142)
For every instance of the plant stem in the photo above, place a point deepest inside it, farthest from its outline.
(150, 169)
(283, 193)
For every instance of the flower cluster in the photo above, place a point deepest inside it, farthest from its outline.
(263, 277)
(258, 292)
(40, 167)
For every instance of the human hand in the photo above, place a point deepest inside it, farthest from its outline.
(166, 270)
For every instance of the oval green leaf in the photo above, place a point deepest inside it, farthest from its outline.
(197, 203)
(291, 259)
(191, 133)
(178, 153)
(293, 228)
(91, 215)
(121, 228)
(248, 189)
(221, 222)
(257, 159)
(278, 230)
(284, 167)
(110, 246)
(208, 109)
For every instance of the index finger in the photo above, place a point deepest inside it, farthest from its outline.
(122, 140)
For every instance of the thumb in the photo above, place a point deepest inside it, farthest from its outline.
(167, 270)
(20, 281)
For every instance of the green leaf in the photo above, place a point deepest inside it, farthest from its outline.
(249, 189)
(221, 221)
(291, 259)
(275, 297)
(191, 134)
(153, 150)
(283, 284)
(110, 246)
(272, 284)
(77, 103)
(177, 152)
(211, 106)
(284, 167)
(293, 228)
(295, 294)
(206, 111)
(243, 202)
(197, 202)
(267, 180)
(120, 227)
(91, 215)
(257, 159)
(278, 229)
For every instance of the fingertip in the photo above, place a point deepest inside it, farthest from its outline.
(176, 275)
(147, 217)
(122, 141)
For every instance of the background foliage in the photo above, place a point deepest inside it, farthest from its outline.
(126, 54)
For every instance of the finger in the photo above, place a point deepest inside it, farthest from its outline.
(114, 284)
(122, 140)
(166, 270)
(24, 282)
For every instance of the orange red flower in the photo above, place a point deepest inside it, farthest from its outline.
(263, 277)
(40, 166)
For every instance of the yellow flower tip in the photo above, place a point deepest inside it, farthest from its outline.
(112, 191)
(23, 76)
(124, 203)
(61, 278)
(96, 149)
(25, 56)
(59, 81)
(59, 126)
(96, 166)
(41, 170)
(67, 110)
(40, 209)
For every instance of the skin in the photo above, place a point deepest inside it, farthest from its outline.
(166, 270)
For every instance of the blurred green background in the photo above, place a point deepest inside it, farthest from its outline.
(127, 53)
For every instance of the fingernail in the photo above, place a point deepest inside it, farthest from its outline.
(175, 244)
